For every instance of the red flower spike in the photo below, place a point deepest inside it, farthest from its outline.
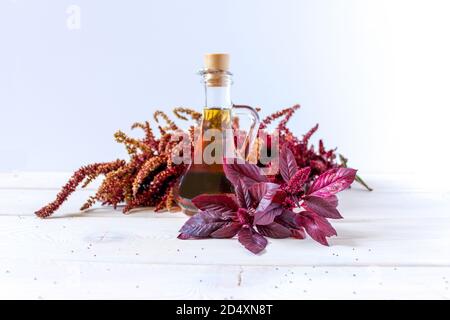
(296, 183)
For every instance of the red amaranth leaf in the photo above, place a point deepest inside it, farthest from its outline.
(287, 219)
(184, 236)
(332, 181)
(252, 240)
(268, 215)
(263, 194)
(298, 233)
(332, 200)
(203, 224)
(243, 196)
(274, 230)
(288, 164)
(247, 172)
(219, 203)
(317, 227)
(243, 216)
(228, 230)
(321, 206)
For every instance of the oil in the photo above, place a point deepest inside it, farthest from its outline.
(205, 175)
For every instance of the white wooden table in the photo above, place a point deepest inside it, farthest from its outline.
(392, 244)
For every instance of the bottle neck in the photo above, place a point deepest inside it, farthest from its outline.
(218, 97)
(217, 89)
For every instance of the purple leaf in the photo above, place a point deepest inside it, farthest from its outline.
(321, 206)
(288, 164)
(228, 230)
(218, 203)
(202, 224)
(268, 215)
(243, 216)
(263, 194)
(242, 195)
(332, 200)
(287, 218)
(298, 233)
(184, 236)
(274, 230)
(317, 227)
(332, 181)
(252, 240)
(247, 172)
(296, 183)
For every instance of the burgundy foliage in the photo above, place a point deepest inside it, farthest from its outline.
(261, 208)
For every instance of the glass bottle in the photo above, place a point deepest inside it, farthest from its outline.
(215, 139)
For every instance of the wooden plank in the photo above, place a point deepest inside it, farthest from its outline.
(35, 180)
(352, 203)
(90, 280)
(151, 239)
(392, 244)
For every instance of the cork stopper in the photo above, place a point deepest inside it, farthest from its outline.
(216, 70)
(217, 61)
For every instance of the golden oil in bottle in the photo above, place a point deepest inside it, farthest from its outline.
(205, 174)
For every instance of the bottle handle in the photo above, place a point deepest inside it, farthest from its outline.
(243, 149)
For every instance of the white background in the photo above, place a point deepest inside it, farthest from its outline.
(374, 74)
